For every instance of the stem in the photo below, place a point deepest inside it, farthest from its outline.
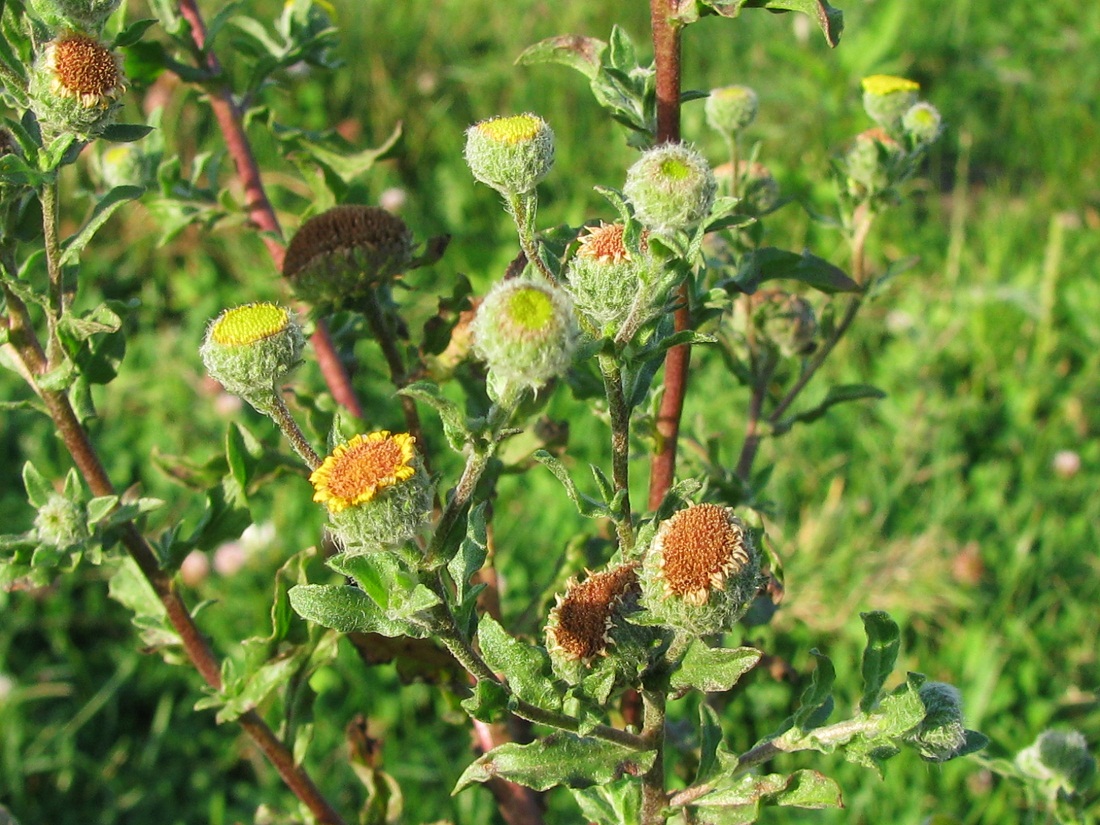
(620, 445)
(260, 211)
(56, 295)
(76, 440)
(756, 409)
(522, 208)
(383, 334)
(285, 421)
(666, 52)
(654, 797)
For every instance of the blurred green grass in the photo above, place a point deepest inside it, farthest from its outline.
(939, 503)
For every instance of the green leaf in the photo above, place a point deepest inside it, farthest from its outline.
(829, 19)
(836, 395)
(348, 610)
(527, 667)
(710, 738)
(100, 507)
(713, 670)
(586, 505)
(455, 426)
(108, 204)
(350, 167)
(39, 490)
(102, 319)
(585, 54)
(126, 133)
(557, 759)
(467, 561)
(817, 700)
(879, 657)
(770, 263)
(129, 587)
(614, 803)
(801, 789)
(489, 702)
(14, 171)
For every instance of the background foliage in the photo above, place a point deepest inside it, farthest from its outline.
(941, 503)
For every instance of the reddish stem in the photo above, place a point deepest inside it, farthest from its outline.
(666, 51)
(260, 210)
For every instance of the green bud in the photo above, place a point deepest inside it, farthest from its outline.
(510, 154)
(757, 186)
(76, 86)
(886, 98)
(922, 123)
(251, 348)
(731, 108)
(86, 15)
(376, 491)
(941, 735)
(62, 522)
(526, 332)
(1061, 760)
(587, 623)
(701, 572)
(345, 251)
(120, 164)
(606, 279)
(868, 163)
(671, 187)
(784, 320)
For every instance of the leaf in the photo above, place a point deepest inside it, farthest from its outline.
(586, 505)
(527, 667)
(350, 167)
(836, 395)
(817, 700)
(879, 657)
(455, 426)
(585, 54)
(710, 738)
(489, 702)
(126, 132)
(348, 610)
(557, 759)
(133, 33)
(829, 19)
(102, 319)
(14, 171)
(39, 490)
(129, 587)
(713, 670)
(770, 263)
(107, 206)
(468, 560)
(801, 789)
(614, 803)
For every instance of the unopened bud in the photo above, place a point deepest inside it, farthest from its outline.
(922, 123)
(886, 98)
(1061, 760)
(606, 279)
(731, 108)
(941, 735)
(671, 187)
(510, 154)
(869, 162)
(61, 522)
(526, 332)
(86, 15)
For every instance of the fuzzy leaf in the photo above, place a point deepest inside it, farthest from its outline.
(713, 670)
(770, 263)
(527, 667)
(879, 657)
(614, 803)
(455, 426)
(37, 486)
(557, 759)
(585, 54)
(829, 19)
(817, 700)
(488, 703)
(801, 789)
(710, 739)
(467, 561)
(586, 505)
(107, 206)
(348, 610)
(836, 395)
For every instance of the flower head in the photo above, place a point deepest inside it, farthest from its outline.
(886, 98)
(582, 618)
(731, 108)
(375, 489)
(511, 154)
(702, 571)
(250, 348)
(606, 278)
(671, 187)
(525, 331)
(922, 122)
(76, 86)
(941, 735)
(346, 250)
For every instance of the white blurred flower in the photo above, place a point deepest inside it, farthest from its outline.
(195, 568)
(1066, 463)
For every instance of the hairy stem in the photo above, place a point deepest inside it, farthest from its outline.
(47, 196)
(666, 50)
(523, 207)
(260, 211)
(654, 797)
(620, 445)
(285, 421)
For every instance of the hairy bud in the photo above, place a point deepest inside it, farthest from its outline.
(86, 15)
(731, 108)
(941, 735)
(606, 279)
(922, 123)
(1061, 760)
(886, 98)
(510, 154)
(671, 187)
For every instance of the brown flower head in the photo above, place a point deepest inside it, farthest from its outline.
(580, 622)
(699, 548)
(85, 69)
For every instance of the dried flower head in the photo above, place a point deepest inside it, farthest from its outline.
(511, 154)
(375, 489)
(76, 86)
(580, 623)
(702, 571)
(346, 250)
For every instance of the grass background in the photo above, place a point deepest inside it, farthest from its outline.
(939, 503)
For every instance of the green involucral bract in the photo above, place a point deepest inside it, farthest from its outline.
(671, 187)
(510, 154)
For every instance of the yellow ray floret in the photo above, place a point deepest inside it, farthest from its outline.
(362, 468)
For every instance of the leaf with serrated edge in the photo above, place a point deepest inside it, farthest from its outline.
(527, 667)
(557, 759)
(713, 670)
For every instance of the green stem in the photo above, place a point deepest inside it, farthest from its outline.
(56, 294)
(620, 445)
(523, 207)
(285, 421)
(654, 797)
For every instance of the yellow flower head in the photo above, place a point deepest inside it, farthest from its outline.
(249, 324)
(511, 129)
(885, 84)
(359, 470)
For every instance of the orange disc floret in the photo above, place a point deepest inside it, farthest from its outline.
(580, 622)
(85, 69)
(359, 470)
(699, 548)
(605, 243)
